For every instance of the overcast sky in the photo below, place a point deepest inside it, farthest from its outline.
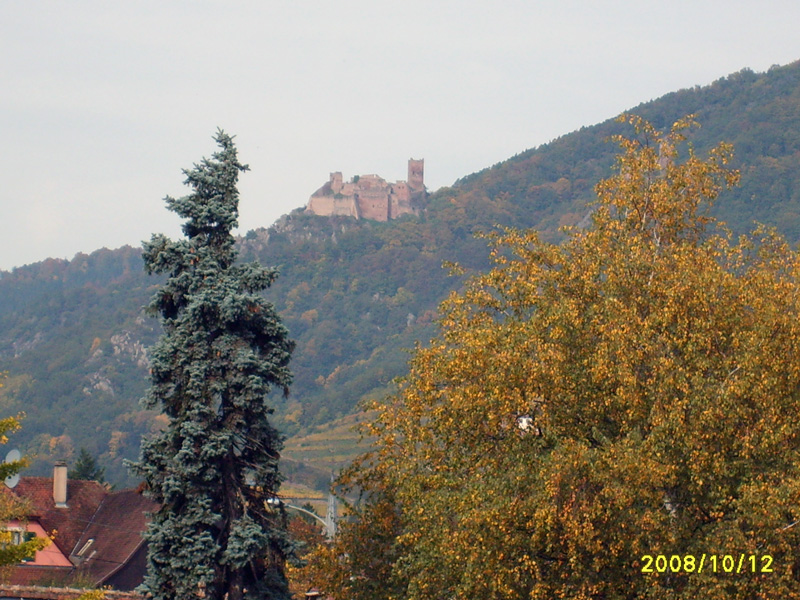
(103, 103)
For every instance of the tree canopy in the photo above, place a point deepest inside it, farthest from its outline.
(223, 350)
(86, 468)
(630, 393)
(25, 546)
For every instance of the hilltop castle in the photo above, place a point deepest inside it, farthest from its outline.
(371, 196)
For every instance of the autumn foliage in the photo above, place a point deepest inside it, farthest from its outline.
(631, 392)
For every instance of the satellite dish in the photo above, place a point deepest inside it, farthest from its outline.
(13, 456)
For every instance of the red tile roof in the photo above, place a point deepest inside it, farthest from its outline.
(114, 521)
(38, 575)
(116, 531)
(28, 592)
(83, 500)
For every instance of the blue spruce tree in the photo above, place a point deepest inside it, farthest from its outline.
(222, 352)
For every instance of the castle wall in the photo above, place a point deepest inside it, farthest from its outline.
(373, 204)
(330, 205)
(416, 174)
(370, 196)
(349, 189)
(336, 182)
(401, 191)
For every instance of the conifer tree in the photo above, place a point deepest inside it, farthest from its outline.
(87, 469)
(222, 351)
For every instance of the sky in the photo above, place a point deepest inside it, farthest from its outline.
(104, 103)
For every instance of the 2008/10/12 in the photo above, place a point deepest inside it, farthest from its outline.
(718, 564)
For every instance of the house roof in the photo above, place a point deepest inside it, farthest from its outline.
(113, 521)
(83, 500)
(35, 574)
(30, 592)
(115, 533)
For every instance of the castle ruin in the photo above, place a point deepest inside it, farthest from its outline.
(371, 196)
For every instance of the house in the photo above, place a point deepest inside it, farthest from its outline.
(96, 533)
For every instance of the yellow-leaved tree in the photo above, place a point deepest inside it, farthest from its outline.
(630, 393)
(12, 510)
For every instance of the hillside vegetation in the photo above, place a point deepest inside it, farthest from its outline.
(355, 294)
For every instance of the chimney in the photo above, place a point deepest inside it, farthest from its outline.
(60, 484)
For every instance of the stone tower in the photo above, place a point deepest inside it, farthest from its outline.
(336, 182)
(416, 174)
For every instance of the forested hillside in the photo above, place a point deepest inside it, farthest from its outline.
(355, 294)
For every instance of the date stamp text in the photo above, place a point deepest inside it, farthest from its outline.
(707, 563)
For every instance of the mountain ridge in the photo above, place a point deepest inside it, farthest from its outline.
(355, 294)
